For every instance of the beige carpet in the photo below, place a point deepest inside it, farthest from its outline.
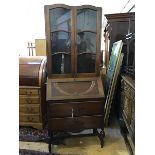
(114, 145)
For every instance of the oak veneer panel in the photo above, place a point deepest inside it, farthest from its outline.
(29, 99)
(30, 91)
(74, 88)
(28, 109)
(78, 108)
(29, 118)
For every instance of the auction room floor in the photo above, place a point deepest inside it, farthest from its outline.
(114, 145)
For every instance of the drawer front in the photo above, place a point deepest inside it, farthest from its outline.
(28, 91)
(75, 109)
(29, 118)
(29, 100)
(77, 123)
(29, 109)
(38, 125)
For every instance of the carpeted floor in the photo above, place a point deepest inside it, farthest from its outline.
(30, 134)
(32, 152)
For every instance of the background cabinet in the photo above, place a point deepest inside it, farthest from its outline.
(121, 25)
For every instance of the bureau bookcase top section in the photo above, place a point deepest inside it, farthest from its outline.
(73, 38)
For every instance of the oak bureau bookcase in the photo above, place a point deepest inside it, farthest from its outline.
(75, 95)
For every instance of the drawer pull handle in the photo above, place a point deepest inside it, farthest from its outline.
(29, 101)
(29, 109)
(30, 118)
(28, 93)
(72, 112)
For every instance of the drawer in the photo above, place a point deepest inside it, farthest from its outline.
(38, 125)
(29, 118)
(29, 100)
(29, 109)
(77, 123)
(75, 109)
(28, 91)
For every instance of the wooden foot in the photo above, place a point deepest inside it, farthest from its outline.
(49, 147)
(50, 134)
(95, 131)
(101, 136)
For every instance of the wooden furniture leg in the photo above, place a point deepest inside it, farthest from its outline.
(50, 141)
(101, 136)
(95, 131)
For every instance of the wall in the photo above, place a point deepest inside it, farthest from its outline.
(32, 17)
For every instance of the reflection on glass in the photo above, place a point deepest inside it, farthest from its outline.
(60, 19)
(60, 42)
(115, 54)
(61, 52)
(86, 20)
(86, 42)
(86, 52)
(61, 64)
(86, 63)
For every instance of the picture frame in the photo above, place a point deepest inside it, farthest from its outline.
(112, 76)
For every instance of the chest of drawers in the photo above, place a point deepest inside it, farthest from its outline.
(32, 90)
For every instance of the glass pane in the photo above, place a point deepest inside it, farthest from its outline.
(61, 64)
(86, 63)
(86, 52)
(86, 20)
(115, 56)
(60, 19)
(61, 53)
(86, 42)
(60, 42)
